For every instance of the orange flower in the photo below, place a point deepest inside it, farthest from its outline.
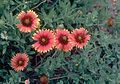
(63, 40)
(19, 61)
(80, 37)
(45, 40)
(29, 21)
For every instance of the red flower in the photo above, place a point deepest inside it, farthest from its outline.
(45, 40)
(27, 81)
(80, 37)
(63, 40)
(29, 21)
(19, 61)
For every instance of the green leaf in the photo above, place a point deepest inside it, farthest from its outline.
(60, 82)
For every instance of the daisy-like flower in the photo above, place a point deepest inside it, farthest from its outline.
(80, 37)
(19, 61)
(29, 21)
(45, 40)
(63, 40)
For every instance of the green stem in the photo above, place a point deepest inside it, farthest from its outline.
(18, 6)
(58, 78)
(39, 4)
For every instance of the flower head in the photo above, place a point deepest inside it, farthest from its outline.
(44, 79)
(27, 81)
(29, 21)
(110, 22)
(45, 40)
(63, 40)
(19, 61)
(80, 37)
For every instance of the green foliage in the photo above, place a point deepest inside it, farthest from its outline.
(97, 63)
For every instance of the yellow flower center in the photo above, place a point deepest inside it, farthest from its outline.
(27, 21)
(79, 37)
(65, 38)
(20, 62)
(43, 40)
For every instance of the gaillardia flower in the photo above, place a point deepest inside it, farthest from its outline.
(19, 61)
(29, 21)
(45, 40)
(80, 37)
(63, 40)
